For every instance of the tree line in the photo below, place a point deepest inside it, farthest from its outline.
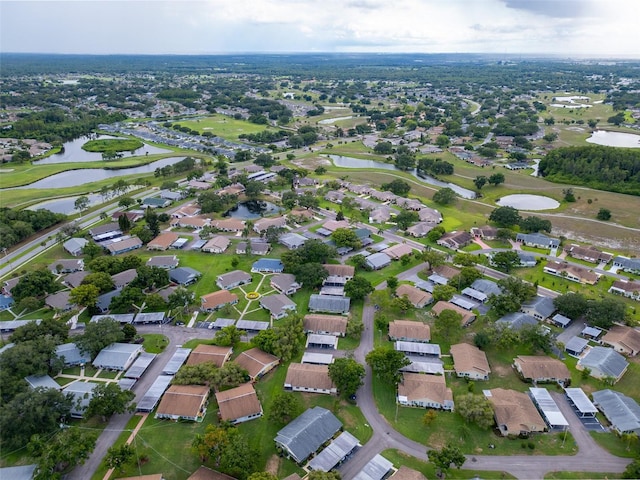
(17, 225)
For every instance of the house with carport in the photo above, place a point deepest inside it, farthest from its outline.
(470, 362)
(623, 339)
(257, 363)
(424, 391)
(409, 331)
(216, 300)
(325, 324)
(239, 404)
(304, 377)
(515, 412)
(184, 402)
(542, 369)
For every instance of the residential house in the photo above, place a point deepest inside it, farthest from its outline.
(378, 261)
(124, 278)
(571, 272)
(285, 283)
(398, 250)
(304, 377)
(292, 241)
(195, 222)
(329, 304)
(517, 320)
(166, 262)
(214, 301)
(186, 211)
(41, 381)
(233, 189)
(537, 240)
(409, 203)
(301, 214)
(455, 240)
(540, 308)
(257, 363)
(419, 349)
(105, 232)
(383, 196)
(485, 232)
(255, 248)
(279, 305)
(184, 275)
(359, 189)
(446, 271)
(239, 404)
(233, 279)
(305, 434)
(467, 316)
(171, 195)
(333, 225)
(197, 185)
(588, 254)
(59, 301)
(631, 265)
(604, 363)
(315, 340)
(133, 215)
(488, 287)
(155, 202)
(380, 214)
(104, 301)
(217, 244)
(420, 229)
(527, 259)
(72, 280)
(66, 266)
(334, 196)
(81, 393)
(515, 412)
(75, 245)
(163, 241)
(575, 346)
(625, 288)
(622, 412)
(117, 356)
(325, 324)
(210, 354)
(71, 355)
(540, 368)
(470, 362)
(9, 284)
(424, 391)
(429, 215)
(184, 402)
(228, 225)
(263, 224)
(337, 270)
(338, 451)
(124, 246)
(409, 331)
(267, 265)
(417, 297)
(623, 339)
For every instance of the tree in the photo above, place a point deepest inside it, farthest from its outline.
(632, 470)
(124, 223)
(345, 237)
(129, 297)
(320, 475)
(150, 277)
(433, 258)
(406, 218)
(444, 457)
(405, 161)
(355, 327)
(129, 332)
(443, 292)
(289, 199)
(98, 335)
(311, 275)
(569, 196)
(522, 290)
(480, 181)
(482, 339)
(253, 189)
(81, 203)
(571, 305)
(535, 337)
(108, 399)
(118, 457)
(505, 217)
(603, 313)
(448, 326)
(358, 287)
(101, 280)
(67, 449)
(383, 148)
(284, 408)
(496, 179)
(465, 278)
(403, 304)
(442, 141)
(505, 261)
(397, 186)
(198, 374)
(36, 283)
(475, 409)
(444, 196)
(229, 336)
(153, 222)
(392, 284)
(181, 298)
(91, 250)
(386, 363)
(604, 214)
(535, 224)
(84, 295)
(347, 375)
(262, 476)
(359, 261)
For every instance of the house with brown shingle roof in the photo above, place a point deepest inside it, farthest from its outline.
(186, 211)
(409, 331)
(515, 412)
(467, 316)
(325, 324)
(455, 240)
(486, 232)
(209, 353)
(406, 473)
(418, 298)
(214, 301)
(305, 377)
(399, 250)
(228, 225)
(540, 368)
(628, 289)
(446, 271)
(217, 244)
(623, 339)
(197, 223)
(420, 229)
(264, 223)
(238, 405)
(163, 241)
(345, 271)
(571, 272)
(184, 402)
(424, 391)
(470, 362)
(257, 363)
(333, 225)
(588, 254)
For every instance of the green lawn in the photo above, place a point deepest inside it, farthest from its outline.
(581, 475)
(613, 444)
(108, 374)
(222, 126)
(154, 342)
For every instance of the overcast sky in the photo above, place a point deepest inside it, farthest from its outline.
(603, 28)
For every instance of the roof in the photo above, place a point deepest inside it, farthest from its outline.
(488, 287)
(164, 240)
(152, 476)
(418, 348)
(74, 244)
(424, 364)
(515, 410)
(624, 336)
(72, 354)
(317, 358)
(183, 400)
(254, 360)
(469, 358)
(216, 299)
(538, 239)
(74, 279)
(42, 381)
(376, 469)
(58, 300)
(591, 331)
(417, 297)
(151, 397)
(467, 316)
(399, 250)
(329, 303)
(406, 473)
(306, 433)
(548, 407)
(325, 323)
(446, 271)
(270, 264)
(606, 360)
(209, 353)
(126, 244)
(561, 320)
(233, 278)
(543, 306)
(102, 229)
(176, 360)
(517, 320)
(82, 393)
(125, 277)
(277, 303)
(309, 376)
(121, 318)
(576, 344)
(217, 243)
(21, 472)
(204, 473)
(409, 329)
(292, 239)
(252, 325)
(542, 367)
(183, 275)
(378, 260)
(334, 453)
(238, 402)
(324, 340)
(581, 400)
(140, 365)
(416, 386)
(68, 264)
(117, 355)
(284, 281)
(623, 412)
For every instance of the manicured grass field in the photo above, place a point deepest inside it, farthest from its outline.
(112, 145)
(581, 475)
(615, 445)
(223, 126)
(154, 342)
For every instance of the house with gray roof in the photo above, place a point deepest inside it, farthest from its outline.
(104, 300)
(307, 433)
(42, 381)
(631, 265)
(184, 275)
(292, 240)
(622, 412)
(279, 305)
(167, 262)
(527, 259)
(575, 346)
(75, 245)
(71, 355)
(124, 278)
(517, 320)
(82, 393)
(59, 301)
(537, 240)
(123, 246)
(117, 356)
(488, 287)
(604, 362)
(22, 472)
(540, 308)
(233, 279)
(72, 280)
(285, 283)
(329, 304)
(378, 261)
(67, 266)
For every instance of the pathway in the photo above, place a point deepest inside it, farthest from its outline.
(135, 431)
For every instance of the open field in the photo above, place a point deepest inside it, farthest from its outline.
(222, 126)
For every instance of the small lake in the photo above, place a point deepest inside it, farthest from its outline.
(350, 162)
(528, 202)
(253, 209)
(615, 139)
(65, 205)
(73, 152)
(73, 178)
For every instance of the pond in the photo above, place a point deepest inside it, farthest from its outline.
(349, 162)
(72, 151)
(73, 178)
(614, 139)
(65, 205)
(252, 209)
(528, 202)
